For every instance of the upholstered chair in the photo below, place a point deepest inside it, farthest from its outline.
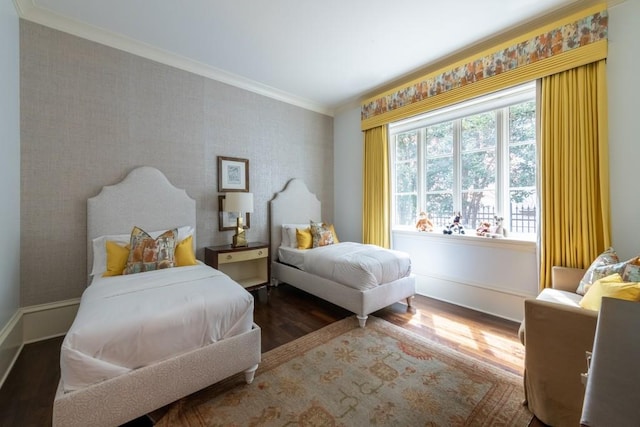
(556, 333)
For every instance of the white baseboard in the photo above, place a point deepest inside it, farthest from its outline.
(31, 324)
(507, 305)
(10, 345)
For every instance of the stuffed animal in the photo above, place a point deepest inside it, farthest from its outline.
(455, 226)
(424, 223)
(497, 231)
(483, 229)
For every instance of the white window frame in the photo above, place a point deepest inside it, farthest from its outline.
(499, 101)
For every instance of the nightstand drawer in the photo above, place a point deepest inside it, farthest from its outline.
(224, 258)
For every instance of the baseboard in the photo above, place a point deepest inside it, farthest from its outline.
(31, 324)
(48, 320)
(506, 305)
(10, 345)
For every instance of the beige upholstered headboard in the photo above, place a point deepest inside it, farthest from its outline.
(144, 198)
(293, 205)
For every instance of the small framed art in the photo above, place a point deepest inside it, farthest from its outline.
(233, 174)
(229, 220)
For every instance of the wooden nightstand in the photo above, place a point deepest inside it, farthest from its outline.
(247, 265)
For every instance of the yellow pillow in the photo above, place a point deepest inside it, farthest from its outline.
(303, 236)
(117, 257)
(184, 253)
(610, 286)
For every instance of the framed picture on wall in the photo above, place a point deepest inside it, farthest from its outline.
(229, 220)
(233, 174)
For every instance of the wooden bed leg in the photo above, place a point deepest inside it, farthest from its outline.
(362, 320)
(409, 299)
(250, 373)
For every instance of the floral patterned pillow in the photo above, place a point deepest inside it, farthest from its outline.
(605, 258)
(322, 234)
(148, 254)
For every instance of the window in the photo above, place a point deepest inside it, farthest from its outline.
(478, 158)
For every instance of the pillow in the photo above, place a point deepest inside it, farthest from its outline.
(148, 254)
(322, 235)
(100, 252)
(291, 231)
(184, 253)
(303, 238)
(333, 233)
(117, 256)
(605, 258)
(611, 286)
(627, 269)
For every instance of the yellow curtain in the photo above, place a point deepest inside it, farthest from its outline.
(574, 168)
(376, 191)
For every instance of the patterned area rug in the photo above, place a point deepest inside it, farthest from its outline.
(343, 375)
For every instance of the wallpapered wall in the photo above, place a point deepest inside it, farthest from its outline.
(90, 114)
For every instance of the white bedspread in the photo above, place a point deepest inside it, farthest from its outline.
(356, 265)
(127, 322)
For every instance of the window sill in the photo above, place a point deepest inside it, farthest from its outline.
(468, 239)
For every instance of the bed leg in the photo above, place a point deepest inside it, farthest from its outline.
(362, 320)
(250, 373)
(409, 300)
(274, 282)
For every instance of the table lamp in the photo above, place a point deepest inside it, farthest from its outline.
(241, 203)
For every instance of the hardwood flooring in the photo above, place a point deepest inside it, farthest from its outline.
(26, 398)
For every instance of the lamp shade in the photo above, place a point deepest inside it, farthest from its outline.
(238, 202)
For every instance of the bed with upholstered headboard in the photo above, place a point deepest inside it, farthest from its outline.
(119, 392)
(361, 293)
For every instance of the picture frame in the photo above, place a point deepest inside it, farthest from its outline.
(233, 174)
(228, 220)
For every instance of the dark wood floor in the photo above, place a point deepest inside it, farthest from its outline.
(26, 397)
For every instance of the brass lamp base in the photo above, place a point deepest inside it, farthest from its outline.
(240, 238)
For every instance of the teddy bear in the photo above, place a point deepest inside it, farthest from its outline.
(483, 228)
(424, 223)
(455, 225)
(497, 231)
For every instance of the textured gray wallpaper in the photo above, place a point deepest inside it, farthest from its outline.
(91, 113)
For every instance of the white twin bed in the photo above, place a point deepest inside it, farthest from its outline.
(144, 340)
(360, 278)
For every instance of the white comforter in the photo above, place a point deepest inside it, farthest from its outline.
(356, 265)
(127, 322)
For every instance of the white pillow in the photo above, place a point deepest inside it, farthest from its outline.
(290, 231)
(99, 245)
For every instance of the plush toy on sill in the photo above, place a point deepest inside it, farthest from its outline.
(455, 226)
(424, 223)
(497, 230)
(483, 229)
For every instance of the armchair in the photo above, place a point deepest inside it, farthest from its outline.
(556, 332)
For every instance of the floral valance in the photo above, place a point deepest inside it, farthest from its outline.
(557, 47)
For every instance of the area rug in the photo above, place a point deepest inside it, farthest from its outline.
(344, 375)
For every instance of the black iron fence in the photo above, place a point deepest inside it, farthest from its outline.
(523, 218)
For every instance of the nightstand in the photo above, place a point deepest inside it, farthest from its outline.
(247, 265)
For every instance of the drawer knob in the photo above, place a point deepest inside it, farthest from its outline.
(259, 252)
(229, 256)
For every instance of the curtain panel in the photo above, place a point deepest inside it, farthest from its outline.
(574, 41)
(376, 192)
(574, 169)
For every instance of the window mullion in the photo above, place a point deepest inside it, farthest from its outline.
(457, 166)
(421, 170)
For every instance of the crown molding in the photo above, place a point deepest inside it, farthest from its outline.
(28, 10)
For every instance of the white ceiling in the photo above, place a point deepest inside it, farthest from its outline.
(320, 55)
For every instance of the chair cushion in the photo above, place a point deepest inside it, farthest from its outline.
(560, 297)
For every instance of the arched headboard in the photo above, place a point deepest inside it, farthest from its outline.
(145, 198)
(295, 204)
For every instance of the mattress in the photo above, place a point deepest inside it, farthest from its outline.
(127, 322)
(292, 256)
(356, 265)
